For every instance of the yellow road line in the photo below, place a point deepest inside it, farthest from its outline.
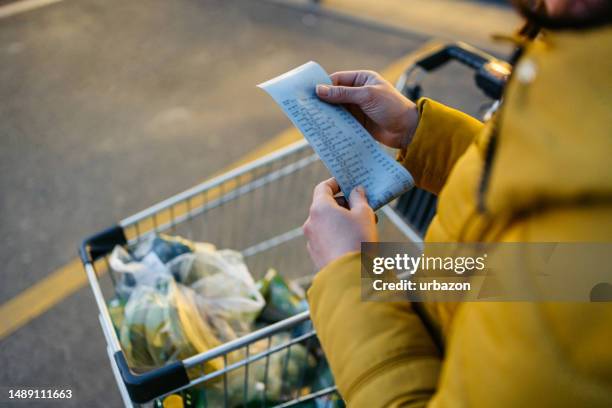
(63, 282)
(66, 280)
(40, 297)
(22, 6)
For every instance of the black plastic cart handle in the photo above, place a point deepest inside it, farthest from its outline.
(490, 74)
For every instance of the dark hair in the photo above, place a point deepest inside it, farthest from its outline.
(535, 12)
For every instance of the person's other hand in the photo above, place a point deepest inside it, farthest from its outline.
(387, 114)
(332, 230)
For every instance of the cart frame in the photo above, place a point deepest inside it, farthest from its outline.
(142, 388)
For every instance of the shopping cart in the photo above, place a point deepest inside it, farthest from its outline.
(257, 209)
(418, 206)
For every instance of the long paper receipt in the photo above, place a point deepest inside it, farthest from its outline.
(346, 148)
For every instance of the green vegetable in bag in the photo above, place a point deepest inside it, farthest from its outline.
(281, 301)
(163, 324)
(286, 372)
(133, 332)
(116, 309)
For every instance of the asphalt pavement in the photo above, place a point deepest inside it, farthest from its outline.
(109, 106)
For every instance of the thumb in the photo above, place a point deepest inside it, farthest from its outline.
(357, 199)
(343, 94)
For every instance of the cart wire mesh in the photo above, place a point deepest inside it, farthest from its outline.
(257, 209)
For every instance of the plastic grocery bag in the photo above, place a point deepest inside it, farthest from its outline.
(146, 261)
(225, 287)
(162, 323)
(180, 298)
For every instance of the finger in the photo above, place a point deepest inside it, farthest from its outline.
(351, 78)
(342, 202)
(343, 94)
(357, 199)
(326, 190)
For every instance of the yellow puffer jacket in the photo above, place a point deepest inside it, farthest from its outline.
(550, 181)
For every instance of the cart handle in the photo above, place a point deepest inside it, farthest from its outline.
(490, 73)
(145, 387)
(101, 244)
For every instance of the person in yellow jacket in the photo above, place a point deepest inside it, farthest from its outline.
(540, 171)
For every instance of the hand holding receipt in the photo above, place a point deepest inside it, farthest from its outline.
(346, 148)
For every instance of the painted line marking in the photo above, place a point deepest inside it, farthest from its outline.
(23, 6)
(64, 281)
(40, 297)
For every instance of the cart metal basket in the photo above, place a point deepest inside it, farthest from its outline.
(257, 209)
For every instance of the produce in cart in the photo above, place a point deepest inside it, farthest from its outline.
(181, 298)
(176, 298)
